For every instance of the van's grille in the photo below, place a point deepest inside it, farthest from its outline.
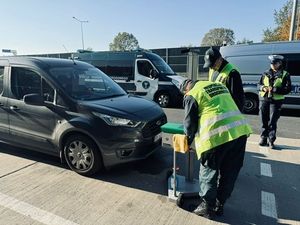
(153, 127)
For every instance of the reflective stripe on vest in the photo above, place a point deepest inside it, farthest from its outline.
(220, 120)
(219, 117)
(277, 83)
(222, 129)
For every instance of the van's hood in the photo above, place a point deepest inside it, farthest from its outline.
(177, 80)
(127, 106)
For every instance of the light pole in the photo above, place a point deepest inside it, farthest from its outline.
(293, 21)
(81, 21)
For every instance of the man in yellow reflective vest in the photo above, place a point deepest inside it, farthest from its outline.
(220, 70)
(273, 85)
(220, 132)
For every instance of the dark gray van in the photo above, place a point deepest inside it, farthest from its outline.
(73, 110)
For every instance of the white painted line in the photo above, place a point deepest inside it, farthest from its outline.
(252, 142)
(33, 212)
(268, 204)
(264, 150)
(265, 169)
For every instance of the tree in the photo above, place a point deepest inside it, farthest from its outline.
(217, 37)
(282, 19)
(124, 42)
(244, 41)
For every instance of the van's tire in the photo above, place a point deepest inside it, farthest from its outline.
(163, 99)
(82, 155)
(251, 104)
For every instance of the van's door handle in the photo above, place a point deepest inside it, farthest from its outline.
(1, 104)
(13, 107)
(138, 81)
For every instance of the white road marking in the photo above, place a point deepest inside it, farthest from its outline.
(264, 150)
(265, 169)
(268, 204)
(33, 212)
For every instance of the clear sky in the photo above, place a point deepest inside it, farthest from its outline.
(47, 26)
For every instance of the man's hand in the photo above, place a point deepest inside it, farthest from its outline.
(270, 89)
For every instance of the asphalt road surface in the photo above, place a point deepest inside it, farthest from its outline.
(36, 189)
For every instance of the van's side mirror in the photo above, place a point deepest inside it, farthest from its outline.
(33, 99)
(153, 74)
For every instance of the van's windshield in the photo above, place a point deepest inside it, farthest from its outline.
(161, 65)
(86, 83)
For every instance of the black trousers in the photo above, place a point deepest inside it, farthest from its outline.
(269, 113)
(219, 170)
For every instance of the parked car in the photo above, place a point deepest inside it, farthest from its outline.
(73, 110)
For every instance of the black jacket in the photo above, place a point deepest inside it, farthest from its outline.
(234, 85)
(286, 82)
(191, 118)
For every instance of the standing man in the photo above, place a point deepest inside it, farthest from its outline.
(220, 132)
(273, 85)
(222, 71)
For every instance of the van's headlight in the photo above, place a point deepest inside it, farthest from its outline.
(116, 121)
(176, 83)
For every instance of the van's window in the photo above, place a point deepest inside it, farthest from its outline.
(120, 69)
(144, 67)
(1, 78)
(161, 65)
(250, 65)
(25, 81)
(293, 64)
(48, 92)
(86, 83)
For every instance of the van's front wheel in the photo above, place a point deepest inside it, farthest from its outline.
(251, 104)
(82, 155)
(163, 99)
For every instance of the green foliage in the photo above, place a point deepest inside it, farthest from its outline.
(124, 42)
(282, 19)
(217, 36)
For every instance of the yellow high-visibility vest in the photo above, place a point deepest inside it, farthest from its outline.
(220, 119)
(277, 83)
(223, 75)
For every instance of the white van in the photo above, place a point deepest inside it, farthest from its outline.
(252, 60)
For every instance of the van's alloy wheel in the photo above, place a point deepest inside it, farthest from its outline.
(82, 155)
(163, 100)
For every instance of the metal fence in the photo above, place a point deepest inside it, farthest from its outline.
(185, 64)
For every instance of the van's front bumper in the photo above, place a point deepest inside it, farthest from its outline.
(131, 150)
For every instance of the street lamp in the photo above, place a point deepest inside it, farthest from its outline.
(81, 21)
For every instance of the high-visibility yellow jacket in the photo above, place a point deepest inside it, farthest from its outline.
(223, 75)
(277, 83)
(220, 119)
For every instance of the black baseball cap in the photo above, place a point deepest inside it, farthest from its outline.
(211, 56)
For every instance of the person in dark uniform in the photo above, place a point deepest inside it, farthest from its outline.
(220, 70)
(220, 132)
(273, 85)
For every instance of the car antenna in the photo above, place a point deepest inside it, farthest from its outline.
(72, 56)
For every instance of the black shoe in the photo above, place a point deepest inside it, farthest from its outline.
(204, 210)
(219, 209)
(272, 146)
(264, 142)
